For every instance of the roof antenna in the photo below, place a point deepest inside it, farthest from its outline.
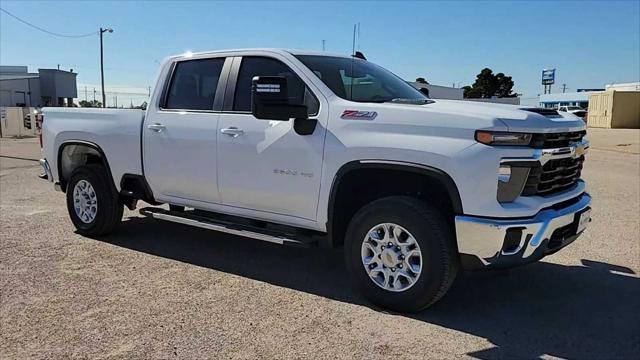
(353, 44)
(353, 53)
(357, 54)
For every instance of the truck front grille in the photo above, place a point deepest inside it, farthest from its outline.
(555, 176)
(549, 141)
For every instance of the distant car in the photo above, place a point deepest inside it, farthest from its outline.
(575, 110)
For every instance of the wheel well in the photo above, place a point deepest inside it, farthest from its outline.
(358, 187)
(73, 155)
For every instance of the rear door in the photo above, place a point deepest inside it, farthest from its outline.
(265, 165)
(179, 137)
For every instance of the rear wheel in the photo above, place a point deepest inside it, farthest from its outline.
(92, 201)
(400, 253)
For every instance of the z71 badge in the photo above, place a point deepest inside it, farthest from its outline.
(358, 115)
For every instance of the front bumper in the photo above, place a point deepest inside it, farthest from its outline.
(47, 174)
(497, 243)
(46, 169)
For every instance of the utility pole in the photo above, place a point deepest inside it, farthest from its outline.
(104, 99)
(94, 95)
(564, 87)
(323, 48)
(115, 100)
(85, 93)
(149, 89)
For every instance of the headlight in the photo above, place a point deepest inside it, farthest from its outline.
(502, 138)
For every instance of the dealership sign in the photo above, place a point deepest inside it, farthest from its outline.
(548, 76)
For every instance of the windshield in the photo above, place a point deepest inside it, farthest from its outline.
(574, 108)
(361, 81)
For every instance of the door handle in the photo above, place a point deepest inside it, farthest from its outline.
(156, 127)
(232, 131)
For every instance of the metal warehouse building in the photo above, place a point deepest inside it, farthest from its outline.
(614, 109)
(616, 106)
(47, 87)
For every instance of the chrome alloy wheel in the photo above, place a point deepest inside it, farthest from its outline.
(85, 201)
(391, 256)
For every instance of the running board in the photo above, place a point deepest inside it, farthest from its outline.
(188, 218)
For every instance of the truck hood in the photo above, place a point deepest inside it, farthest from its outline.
(515, 117)
(473, 115)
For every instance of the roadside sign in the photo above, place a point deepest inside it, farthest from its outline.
(548, 76)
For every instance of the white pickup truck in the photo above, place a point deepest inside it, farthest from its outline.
(306, 148)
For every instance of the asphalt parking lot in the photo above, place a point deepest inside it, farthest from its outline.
(161, 290)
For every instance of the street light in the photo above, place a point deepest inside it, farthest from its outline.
(104, 99)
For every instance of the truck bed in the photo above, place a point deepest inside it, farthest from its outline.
(115, 132)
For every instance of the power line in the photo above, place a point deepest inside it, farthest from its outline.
(45, 30)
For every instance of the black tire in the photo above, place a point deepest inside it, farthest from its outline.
(433, 234)
(109, 209)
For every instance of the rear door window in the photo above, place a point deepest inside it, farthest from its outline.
(194, 83)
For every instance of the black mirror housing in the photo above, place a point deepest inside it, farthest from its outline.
(269, 100)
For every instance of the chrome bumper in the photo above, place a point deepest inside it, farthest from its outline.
(47, 174)
(46, 168)
(493, 243)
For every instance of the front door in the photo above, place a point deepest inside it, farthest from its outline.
(179, 138)
(265, 165)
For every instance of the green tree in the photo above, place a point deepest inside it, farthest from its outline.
(421, 80)
(142, 106)
(92, 103)
(488, 85)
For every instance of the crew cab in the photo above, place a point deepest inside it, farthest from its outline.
(312, 149)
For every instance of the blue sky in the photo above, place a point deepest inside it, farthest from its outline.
(590, 43)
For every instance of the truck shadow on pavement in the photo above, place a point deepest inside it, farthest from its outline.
(588, 311)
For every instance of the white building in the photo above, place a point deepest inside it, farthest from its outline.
(440, 92)
(505, 100)
(580, 98)
(633, 86)
(47, 87)
(450, 93)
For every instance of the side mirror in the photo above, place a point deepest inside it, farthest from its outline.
(270, 101)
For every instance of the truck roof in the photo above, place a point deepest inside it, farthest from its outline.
(274, 50)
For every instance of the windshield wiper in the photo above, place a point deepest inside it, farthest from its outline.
(374, 101)
(410, 101)
(398, 101)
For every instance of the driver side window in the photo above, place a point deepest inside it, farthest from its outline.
(252, 66)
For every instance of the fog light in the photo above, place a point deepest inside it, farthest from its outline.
(504, 173)
(512, 178)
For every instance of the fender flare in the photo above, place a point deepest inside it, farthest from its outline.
(431, 172)
(94, 146)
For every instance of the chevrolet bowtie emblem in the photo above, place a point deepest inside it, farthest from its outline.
(577, 150)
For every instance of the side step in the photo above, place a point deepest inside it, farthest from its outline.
(192, 219)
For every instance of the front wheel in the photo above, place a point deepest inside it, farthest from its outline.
(401, 253)
(92, 202)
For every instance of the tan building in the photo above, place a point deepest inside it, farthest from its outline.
(614, 109)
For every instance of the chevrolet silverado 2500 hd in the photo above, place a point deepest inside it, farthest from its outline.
(306, 148)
